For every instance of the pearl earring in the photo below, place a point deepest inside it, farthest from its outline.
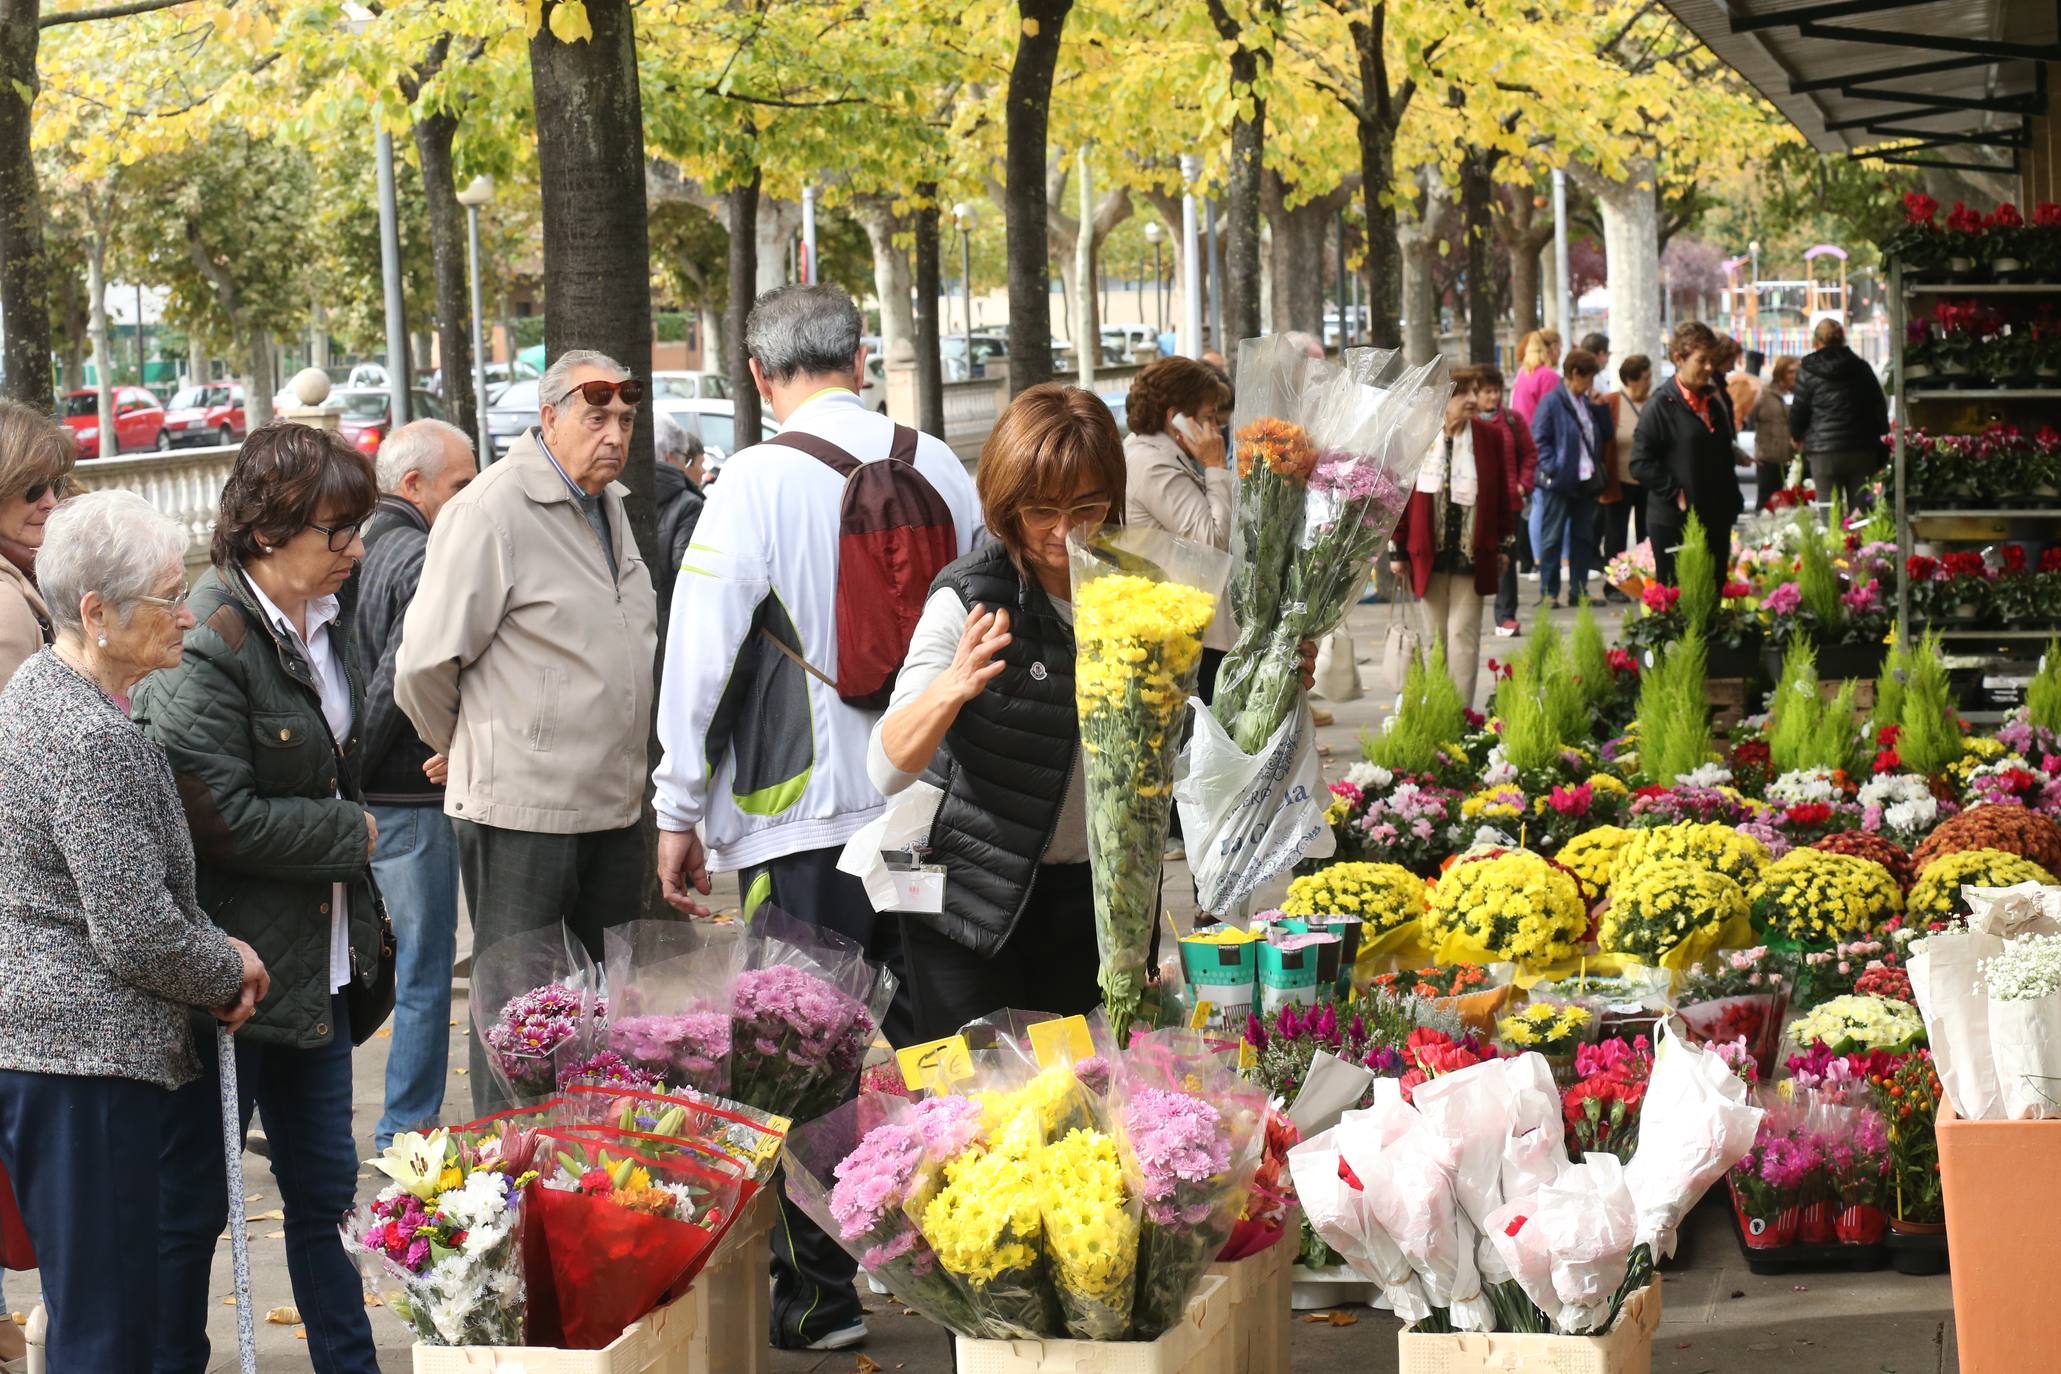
(103, 641)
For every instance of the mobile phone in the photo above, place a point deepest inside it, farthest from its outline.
(1189, 430)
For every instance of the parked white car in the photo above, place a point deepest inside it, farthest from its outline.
(690, 386)
(715, 421)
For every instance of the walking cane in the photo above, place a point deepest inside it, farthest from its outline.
(239, 1238)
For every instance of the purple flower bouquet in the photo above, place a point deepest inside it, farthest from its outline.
(797, 1041)
(537, 1008)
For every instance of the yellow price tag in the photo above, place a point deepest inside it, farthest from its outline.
(937, 1064)
(769, 1144)
(1064, 1041)
(1204, 1010)
(1248, 1056)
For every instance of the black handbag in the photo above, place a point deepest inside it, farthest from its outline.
(372, 1003)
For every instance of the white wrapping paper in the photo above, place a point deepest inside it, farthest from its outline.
(1337, 1211)
(1946, 978)
(1407, 1169)
(2025, 1045)
(1694, 1125)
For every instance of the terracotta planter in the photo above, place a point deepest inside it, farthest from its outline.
(2002, 1180)
(1861, 1224)
(1816, 1225)
(1898, 1226)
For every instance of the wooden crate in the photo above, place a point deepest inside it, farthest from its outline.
(1262, 1292)
(1727, 698)
(1627, 1348)
(656, 1344)
(1196, 1346)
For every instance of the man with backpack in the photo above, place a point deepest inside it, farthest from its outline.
(793, 610)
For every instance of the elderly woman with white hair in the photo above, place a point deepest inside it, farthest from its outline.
(104, 947)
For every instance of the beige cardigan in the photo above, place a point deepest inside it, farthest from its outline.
(1165, 489)
(23, 617)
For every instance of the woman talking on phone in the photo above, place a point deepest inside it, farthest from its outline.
(1176, 478)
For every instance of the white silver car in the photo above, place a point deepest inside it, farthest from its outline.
(715, 421)
(690, 386)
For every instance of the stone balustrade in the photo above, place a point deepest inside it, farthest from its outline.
(185, 484)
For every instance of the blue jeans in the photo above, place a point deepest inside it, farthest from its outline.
(416, 867)
(90, 1203)
(1564, 526)
(305, 1096)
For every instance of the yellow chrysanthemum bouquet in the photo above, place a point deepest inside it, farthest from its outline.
(1141, 600)
(1936, 897)
(1389, 900)
(1671, 913)
(1707, 844)
(1593, 856)
(1550, 1028)
(1812, 897)
(1508, 904)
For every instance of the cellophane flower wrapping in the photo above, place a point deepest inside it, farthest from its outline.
(538, 1008)
(442, 1242)
(1407, 1167)
(1570, 1248)
(804, 1008)
(669, 983)
(1142, 600)
(1371, 423)
(865, 1171)
(986, 1224)
(1270, 1209)
(745, 1135)
(1274, 455)
(1191, 1132)
(615, 1228)
(1695, 1124)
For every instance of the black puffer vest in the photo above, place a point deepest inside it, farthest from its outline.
(1005, 763)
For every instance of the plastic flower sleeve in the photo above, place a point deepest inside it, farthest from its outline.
(863, 1173)
(749, 1139)
(1694, 1126)
(1409, 1186)
(1142, 600)
(804, 1008)
(1333, 1198)
(612, 1232)
(1273, 455)
(1535, 1149)
(670, 985)
(987, 1227)
(1587, 1223)
(538, 1009)
(1472, 1110)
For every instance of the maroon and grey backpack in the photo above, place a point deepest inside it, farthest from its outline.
(895, 535)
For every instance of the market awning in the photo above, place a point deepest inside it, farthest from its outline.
(1958, 82)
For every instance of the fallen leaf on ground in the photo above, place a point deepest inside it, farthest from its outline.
(229, 1301)
(275, 1235)
(461, 1072)
(386, 1032)
(255, 1197)
(374, 1300)
(1332, 1318)
(284, 1316)
(866, 1365)
(17, 1318)
(274, 1215)
(301, 1334)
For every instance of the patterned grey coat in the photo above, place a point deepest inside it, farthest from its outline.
(103, 945)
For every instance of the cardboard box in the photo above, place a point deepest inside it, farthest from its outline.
(1196, 1346)
(1627, 1348)
(716, 1327)
(2003, 1187)
(1261, 1292)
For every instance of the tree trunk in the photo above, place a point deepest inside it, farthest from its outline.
(1242, 197)
(1631, 246)
(433, 136)
(1481, 286)
(69, 295)
(930, 369)
(196, 359)
(743, 201)
(773, 234)
(890, 273)
(597, 256)
(715, 356)
(24, 299)
(1030, 280)
(1299, 239)
(1418, 243)
(110, 443)
(1384, 267)
(1523, 234)
(262, 379)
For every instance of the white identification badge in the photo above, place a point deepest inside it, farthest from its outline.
(919, 887)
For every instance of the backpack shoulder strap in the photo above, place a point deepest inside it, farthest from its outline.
(822, 450)
(903, 449)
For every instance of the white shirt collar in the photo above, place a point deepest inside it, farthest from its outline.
(322, 611)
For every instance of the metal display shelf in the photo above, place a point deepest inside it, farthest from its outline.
(2011, 394)
(2029, 513)
(1994, 288)
(1992, 634)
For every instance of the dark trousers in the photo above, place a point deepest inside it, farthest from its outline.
(1767, 481)
(1622, 520)
(304, 1097)
(813, 1292)
(1049, 964)
(1667, 535)
(1506, 587)
(1569, 525)
(89, 1198)
(521, 880)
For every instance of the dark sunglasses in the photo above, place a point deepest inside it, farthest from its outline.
(601, 393)
(55, 486)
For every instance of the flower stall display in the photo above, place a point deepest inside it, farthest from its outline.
(1600, 1110)
(1908, 1095)
(1374, 816)
(1719, 847)
(1388, 898)
(1937, 898)
(1547, 1028)
(1999, 468)
(1742, 996)
(1142, 600)
(1672, 913)
(2013, 829)
(1901, 807)
(538, 1008)
(1593, 854)
(1508, 904)
(1813, 897)
(442, 1241)
(1878, 848)
(1859, 1021)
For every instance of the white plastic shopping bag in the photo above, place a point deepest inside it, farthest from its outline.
(1248, 817)
(1946, 979)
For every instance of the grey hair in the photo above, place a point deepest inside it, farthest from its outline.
(669, 436)
(417, 446)
(1304, 342)
(803, 331)
(557, 382)
(114, 543)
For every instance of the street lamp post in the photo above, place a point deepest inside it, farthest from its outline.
(1152, 236)
(357, 19)
(479, 193)
(1753, 296)
(1191, 260)
(962, 215)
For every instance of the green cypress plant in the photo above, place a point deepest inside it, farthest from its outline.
(2043, 693)
(1592, 661)
(1931, 735)
(1529, 739)
(1687, 741)
(1696, 577)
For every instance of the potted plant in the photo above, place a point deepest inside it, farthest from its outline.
(2004, 242)
(2046, 335)
(2043, 244)
(1909, 1097)
(1918, 243)
(1764, 1187)
(1920, 352)
(1958, 351)
(1858, 1167)
(1963, 242)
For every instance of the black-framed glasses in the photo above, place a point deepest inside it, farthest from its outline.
(340, 536)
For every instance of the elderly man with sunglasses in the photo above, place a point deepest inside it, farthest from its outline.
(526, 660)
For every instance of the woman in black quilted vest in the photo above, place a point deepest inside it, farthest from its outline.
(984, 711)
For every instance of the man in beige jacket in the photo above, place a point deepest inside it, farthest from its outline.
(526, 659)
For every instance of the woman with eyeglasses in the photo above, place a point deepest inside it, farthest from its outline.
(260, 723)
(105, 950)
(35, 461)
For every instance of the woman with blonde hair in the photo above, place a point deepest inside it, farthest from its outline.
(1538, 371)
(35, 464)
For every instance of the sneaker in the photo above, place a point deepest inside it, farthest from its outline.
(878, 1289)
(842, 1339)
(1508, 629)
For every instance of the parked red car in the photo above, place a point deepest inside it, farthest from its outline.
(367, 414)
(139, 421)
(211, 413)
